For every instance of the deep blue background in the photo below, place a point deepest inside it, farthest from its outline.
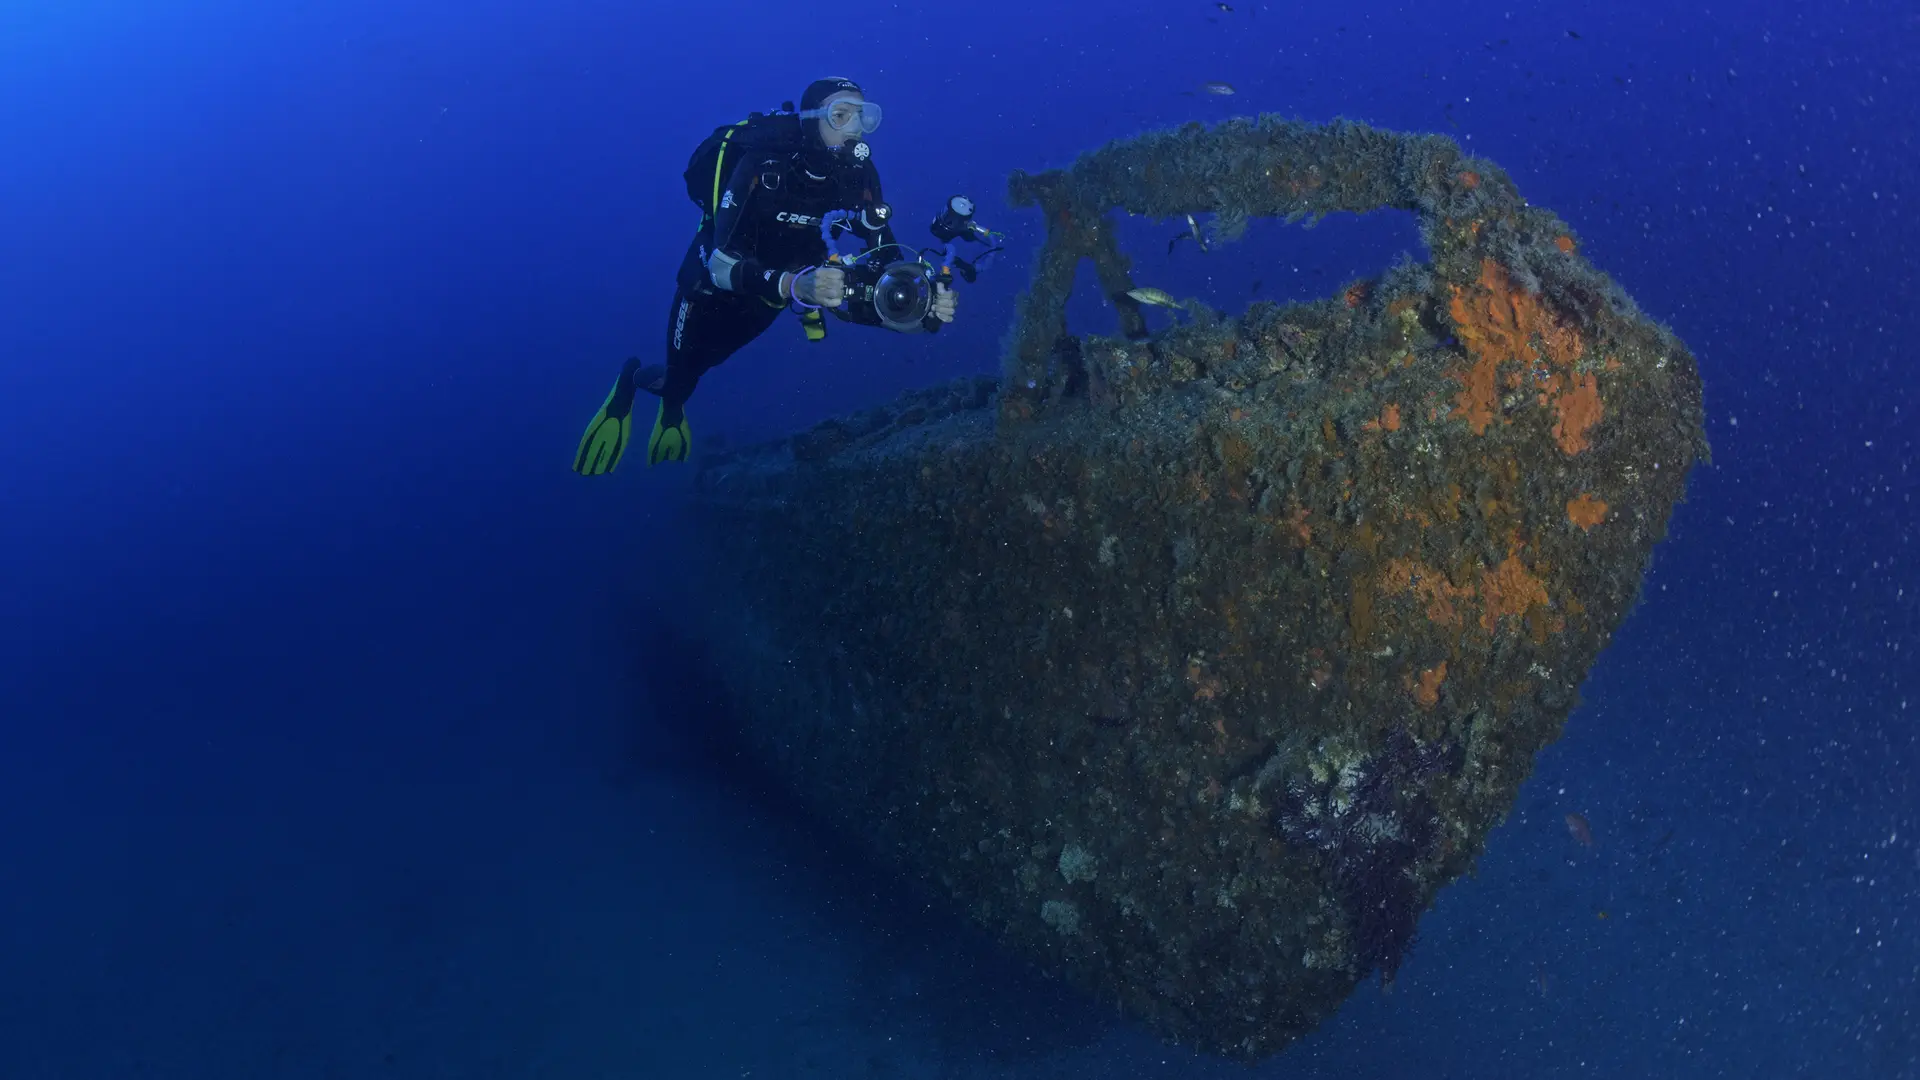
(336, 737)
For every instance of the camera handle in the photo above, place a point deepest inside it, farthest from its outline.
(944, 278)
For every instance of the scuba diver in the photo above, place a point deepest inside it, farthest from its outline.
(776, 190)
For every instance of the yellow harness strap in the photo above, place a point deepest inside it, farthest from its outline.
(720, 170)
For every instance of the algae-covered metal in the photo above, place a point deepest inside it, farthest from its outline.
(1194, 667)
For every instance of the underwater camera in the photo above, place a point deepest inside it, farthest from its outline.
(898, 296)
(892, 286)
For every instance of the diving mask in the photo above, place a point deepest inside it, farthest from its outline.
(848, 116)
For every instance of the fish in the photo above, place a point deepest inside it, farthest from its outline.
(1193, 230)
(1218, 89)
(1580, 829)
(1222, 6)
(1155, 297)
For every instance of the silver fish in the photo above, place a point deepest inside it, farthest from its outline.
(1193, 232)
(1156, 297)
(1194, 228)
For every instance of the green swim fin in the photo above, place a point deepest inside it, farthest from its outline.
(611, 428)
(669, 441)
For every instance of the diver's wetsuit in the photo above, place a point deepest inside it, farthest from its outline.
(768, 223)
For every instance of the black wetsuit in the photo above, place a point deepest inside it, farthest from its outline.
(769, 221)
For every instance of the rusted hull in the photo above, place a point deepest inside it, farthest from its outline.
(1193, 668)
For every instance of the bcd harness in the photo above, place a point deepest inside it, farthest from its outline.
(705, 181)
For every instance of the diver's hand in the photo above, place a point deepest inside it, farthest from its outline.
(823, 285)
(944, 301)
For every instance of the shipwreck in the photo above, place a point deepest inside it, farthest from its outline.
(1194, 665)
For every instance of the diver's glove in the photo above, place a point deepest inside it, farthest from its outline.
(944, 302)
(610, 429)
(669, 441)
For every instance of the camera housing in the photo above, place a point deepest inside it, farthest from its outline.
(896, 295)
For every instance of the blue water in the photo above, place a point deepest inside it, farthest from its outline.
(345, 731)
